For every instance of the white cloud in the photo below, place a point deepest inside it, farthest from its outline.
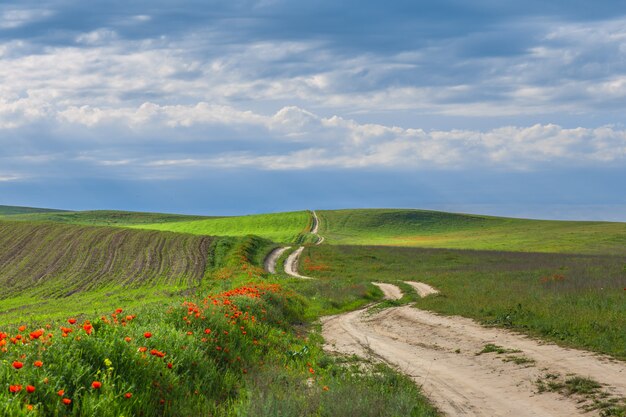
(14, 18)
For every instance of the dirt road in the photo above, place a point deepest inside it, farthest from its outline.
(272, 258)
(440, 354)
(291, 263)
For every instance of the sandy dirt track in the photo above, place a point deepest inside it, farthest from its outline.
(272, 258)
(423, 290)
(291, 263)
(439, 353)
(391, 291)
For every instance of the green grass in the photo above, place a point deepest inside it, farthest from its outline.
(279, 227)
(420, 228)
(242, 350)
(99, 217)
(575, 300)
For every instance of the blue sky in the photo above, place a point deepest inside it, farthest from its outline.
(250, 106)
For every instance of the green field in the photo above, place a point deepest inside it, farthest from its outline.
(419, 228)
(576, 300)
(170, 324)
(561, 281)
(279, 227)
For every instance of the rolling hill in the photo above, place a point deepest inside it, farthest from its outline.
(421, 228)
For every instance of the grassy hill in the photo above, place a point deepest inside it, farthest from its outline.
(279, 227)
(420, 228)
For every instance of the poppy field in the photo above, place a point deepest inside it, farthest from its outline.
(238, 343)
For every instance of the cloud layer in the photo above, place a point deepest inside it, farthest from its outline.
(158, 90)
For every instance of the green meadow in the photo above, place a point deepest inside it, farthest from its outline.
(432, 229)
(573, 299)
(231, 340)
(110, 321)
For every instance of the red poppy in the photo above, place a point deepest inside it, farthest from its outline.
(21, 328)
(30, 389)
(61, 393)
(13, 389)
(147, 335)
(36, 334)
(118, 311)
(38, 364)
(67, 401)
(127, 339)
(88, 328)
(96, 384)
(17, 364)
(128, 395)
(71, 321)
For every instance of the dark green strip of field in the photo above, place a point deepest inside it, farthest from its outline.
(576, 300)
(94, 217)
(17, 210)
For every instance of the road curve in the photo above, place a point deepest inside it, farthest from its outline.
(291, 263)
(272, 258)
(391, 292)
(440, 354)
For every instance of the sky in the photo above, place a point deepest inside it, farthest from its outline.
(247, 106)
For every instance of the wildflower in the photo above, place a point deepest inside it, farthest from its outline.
(128, 395)
(207, 331)
(36, 334)
(88, 327)
(30, 389)
(14, 389)
(21, 328)
(142, 349)
(96, 384)
(71, 321)
(17, 364)
(311, 370)
(147, 335)
(127, 339)
(61, 393)
(67, 401)
(170, 365)
(38, 364)
(118, 311)
(30, 407)
(325, 388)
